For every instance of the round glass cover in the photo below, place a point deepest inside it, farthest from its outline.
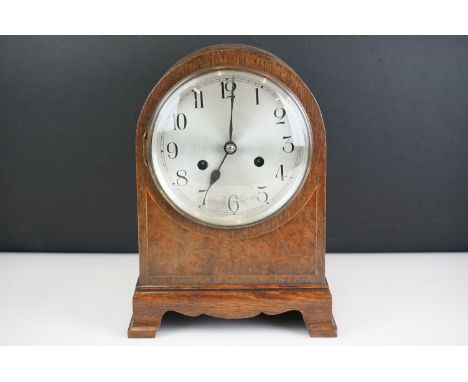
(229, 148)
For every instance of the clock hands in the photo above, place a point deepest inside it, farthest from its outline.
(215, 175)
(229, 149)
(232, 107)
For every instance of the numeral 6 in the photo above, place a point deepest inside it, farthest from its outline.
(233, 204)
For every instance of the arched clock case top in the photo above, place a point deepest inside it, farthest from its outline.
(271, 266)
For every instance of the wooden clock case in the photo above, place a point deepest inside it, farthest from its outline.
(272, 267)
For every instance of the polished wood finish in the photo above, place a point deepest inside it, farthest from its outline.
(271, 267)
(314, 305)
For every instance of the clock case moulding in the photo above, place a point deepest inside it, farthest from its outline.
(274, 266)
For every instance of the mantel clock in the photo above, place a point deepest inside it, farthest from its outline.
(231, 169)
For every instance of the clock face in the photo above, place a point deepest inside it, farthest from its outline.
(229, 148)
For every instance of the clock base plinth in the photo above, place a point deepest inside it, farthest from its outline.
(320, 329)
(150, 304)
(143, 331)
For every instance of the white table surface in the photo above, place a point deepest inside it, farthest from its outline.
(378, 299)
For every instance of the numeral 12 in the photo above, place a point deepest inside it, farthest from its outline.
(230, 89)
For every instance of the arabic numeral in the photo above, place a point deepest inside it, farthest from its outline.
(182, 177)
(280, 173)
(280, 113)
(180, 121)
(198, 95)
(228, 87)
(262, 196)
(288, 145)
(172, 150)
(233, 204)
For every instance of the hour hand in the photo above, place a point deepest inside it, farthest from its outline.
(215, 175)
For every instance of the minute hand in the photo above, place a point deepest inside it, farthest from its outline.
(232, 107)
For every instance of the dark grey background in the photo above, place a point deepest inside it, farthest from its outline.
(395, 110)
